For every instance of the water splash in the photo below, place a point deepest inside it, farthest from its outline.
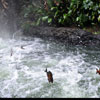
(22, 74)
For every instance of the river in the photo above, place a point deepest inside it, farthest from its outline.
(22, 69)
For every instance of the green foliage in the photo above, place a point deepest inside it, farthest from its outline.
(65, 13)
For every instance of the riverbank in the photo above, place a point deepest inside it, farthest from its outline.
(72, 36)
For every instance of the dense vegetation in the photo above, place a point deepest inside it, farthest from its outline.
(79, 13)
(62, 13)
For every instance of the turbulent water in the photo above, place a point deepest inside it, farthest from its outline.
(22, 70)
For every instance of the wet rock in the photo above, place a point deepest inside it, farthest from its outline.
(67, 35)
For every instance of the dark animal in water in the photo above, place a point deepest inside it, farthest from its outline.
(49, 75)
(22, 47)
(98, 71)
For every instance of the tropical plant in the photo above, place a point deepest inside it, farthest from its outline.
(64, 13)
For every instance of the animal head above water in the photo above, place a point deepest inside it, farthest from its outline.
(98, 71)
(46, 70)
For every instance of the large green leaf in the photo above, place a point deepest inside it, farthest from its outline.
(49, 20)
(65, 16)
(99, 18)
(44, 18)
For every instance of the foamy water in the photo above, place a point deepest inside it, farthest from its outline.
(22, 74)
